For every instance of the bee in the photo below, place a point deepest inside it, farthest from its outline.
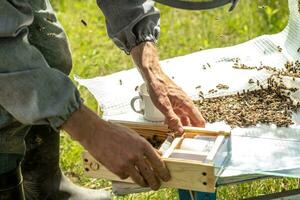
(212, 91)
(83, 22)
(136, 88)
(198, 87)
(222, 87)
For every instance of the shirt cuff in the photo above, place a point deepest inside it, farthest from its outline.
(146, 28)
(72, 105)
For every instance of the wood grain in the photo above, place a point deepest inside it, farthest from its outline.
(190, 175)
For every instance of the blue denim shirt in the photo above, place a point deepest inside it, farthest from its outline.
(32, 91)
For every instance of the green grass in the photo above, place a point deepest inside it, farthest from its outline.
(182, 32)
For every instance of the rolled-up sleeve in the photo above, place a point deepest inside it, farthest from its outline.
(130, 22)
(31, 91)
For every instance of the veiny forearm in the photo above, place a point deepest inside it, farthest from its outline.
(81, 125)
(170, 99)
(146, 58)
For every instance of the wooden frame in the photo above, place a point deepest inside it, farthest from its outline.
(187, 174)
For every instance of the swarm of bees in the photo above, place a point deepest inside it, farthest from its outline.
(248, 109)
(270, 104)
(291, 69)
(155, 141)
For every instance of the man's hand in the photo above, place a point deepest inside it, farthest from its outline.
(119, 149)
(170, 99)
(175, 104)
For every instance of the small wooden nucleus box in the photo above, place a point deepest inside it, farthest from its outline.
(194, 159)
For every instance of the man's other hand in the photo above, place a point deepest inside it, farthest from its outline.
(170, 99)
(119, 149)
(174, 103)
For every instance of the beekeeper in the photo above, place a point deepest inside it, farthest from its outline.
(38, 99)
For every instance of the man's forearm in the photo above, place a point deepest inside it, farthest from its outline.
(146, 58)
(170, 99)
(80, 124)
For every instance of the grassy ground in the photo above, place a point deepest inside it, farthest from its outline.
(182, 32)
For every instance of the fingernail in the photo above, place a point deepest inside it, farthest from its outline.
(180, 130)
(166, 177)
(156, 186)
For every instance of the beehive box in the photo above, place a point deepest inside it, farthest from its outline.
(189, 168)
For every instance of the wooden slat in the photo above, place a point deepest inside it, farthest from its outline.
(190, 175)
(204, 131)
(175, 144)
(146, 126)
(161, 129)
(218, 143)
(185, 174)
(188, 155)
